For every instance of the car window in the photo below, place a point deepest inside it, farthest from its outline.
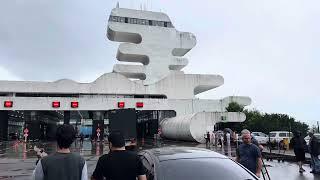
(272, 134)
(317, 136)
(204, 169)
(263, 134)
(282, 134)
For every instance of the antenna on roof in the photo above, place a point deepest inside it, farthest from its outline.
(117, 5)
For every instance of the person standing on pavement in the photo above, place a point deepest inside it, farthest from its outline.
(207, 137)
(314, 152)
(62, 165)
(249, 155)
(299, 144)
(81, 139)
(213, 139)
(119, 164)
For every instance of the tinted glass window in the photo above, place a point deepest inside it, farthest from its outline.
(282, 134)
(204, 169)
(272, 134)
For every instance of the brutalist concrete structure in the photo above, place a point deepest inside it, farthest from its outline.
(155, 80)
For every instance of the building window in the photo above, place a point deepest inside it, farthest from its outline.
(122, 19)
(133, 21)
(140, 21)
(169, 24)
(143, 22)
(114, 18)
(161, 23)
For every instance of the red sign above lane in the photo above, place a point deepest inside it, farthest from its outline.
(74, 104)
(55, 104)
(8, 104)
(121, 104)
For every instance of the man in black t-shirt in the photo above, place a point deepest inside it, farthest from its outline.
(119, 164)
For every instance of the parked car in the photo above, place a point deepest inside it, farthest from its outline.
(181, 163)
(307, 138)
(261, 137)
(278, 136)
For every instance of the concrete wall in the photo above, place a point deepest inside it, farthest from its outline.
(100, 103)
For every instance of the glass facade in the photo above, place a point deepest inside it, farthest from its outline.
(146, 22)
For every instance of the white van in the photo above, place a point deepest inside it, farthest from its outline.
(278, 136)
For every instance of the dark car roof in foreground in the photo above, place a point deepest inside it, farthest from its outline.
(171, 153)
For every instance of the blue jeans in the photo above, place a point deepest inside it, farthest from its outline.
(315, 163)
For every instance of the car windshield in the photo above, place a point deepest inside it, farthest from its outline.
(272, 134)
(204, 169)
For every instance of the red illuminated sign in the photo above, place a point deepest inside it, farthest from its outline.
(8, 104)
(55, 104)
(139, 104)
(120, 104)
(75, 104)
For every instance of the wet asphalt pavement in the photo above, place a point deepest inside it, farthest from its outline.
(17, 160)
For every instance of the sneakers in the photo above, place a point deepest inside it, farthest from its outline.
(301, 170)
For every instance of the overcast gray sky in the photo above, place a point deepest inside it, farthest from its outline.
(268, 50)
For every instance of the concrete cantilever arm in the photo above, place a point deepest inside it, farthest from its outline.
(130, 71)
(121, 36)
(185, 43)
(132, 53)
(178, 63)
(207, 82)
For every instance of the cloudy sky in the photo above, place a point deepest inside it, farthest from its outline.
(268, 50)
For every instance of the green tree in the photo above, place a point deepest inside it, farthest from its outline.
(234, 107)
(264, 122)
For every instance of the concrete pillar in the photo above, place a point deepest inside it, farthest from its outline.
(4, 118)
(66, 117)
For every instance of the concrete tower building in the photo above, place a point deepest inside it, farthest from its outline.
(155, 50)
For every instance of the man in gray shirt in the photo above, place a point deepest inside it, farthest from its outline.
(62, 165)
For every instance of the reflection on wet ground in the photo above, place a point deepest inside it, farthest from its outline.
(17, 159)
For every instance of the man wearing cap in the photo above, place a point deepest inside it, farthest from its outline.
(119, 164)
